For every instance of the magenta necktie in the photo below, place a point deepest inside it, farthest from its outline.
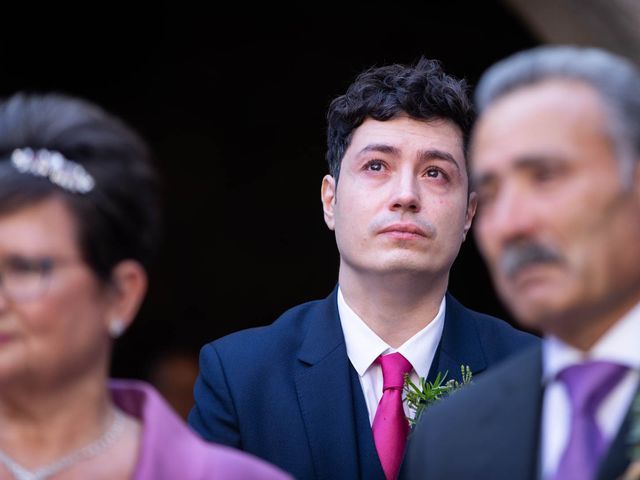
(587, 384)
(390, 425)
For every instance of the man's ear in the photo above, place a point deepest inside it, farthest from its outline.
(472, 204)
(328, 197)
(128, 286)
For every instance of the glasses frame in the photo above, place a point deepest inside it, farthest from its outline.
(35, 273)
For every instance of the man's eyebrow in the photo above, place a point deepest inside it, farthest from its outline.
(380, 147)
(435, 154)
(424, 155)
(527, 162)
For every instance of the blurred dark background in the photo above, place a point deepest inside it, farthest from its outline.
(233, 107)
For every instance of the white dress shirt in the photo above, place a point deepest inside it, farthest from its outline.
(364, 346)
(621, 344)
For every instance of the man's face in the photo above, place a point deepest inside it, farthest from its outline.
(558, 227)
(400, 205)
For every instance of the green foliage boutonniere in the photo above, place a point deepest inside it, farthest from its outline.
(419, 397)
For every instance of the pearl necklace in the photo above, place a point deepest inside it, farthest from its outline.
(86, 452)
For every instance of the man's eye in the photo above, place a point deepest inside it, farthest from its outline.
(545, 174)
(435, 173)
(374, 166)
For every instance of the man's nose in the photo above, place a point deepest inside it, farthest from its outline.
(406, 192)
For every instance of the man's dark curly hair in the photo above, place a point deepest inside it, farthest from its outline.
(423, 92)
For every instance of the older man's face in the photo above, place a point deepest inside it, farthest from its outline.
(558, 227)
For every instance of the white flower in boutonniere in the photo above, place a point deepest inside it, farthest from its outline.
(419, 397)
(633, 472)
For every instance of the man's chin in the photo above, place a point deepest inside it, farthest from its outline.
(399, 264)
(535, 312)
(407, 263)
(532, 287)
(416, 274)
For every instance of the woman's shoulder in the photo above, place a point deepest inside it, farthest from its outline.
(169, 449)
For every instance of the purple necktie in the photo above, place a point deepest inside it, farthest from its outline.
(587, 384)
(390, 425)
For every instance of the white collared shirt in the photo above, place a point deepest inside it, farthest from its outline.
(621, 344)
(364, 346)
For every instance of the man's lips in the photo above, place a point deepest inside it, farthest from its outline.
(530, 274)
(405, 230)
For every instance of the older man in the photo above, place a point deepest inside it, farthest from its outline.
(555, 163)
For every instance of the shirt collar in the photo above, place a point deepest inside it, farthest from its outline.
(619, 344)
(364, 346)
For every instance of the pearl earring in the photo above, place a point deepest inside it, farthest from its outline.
(116, 328)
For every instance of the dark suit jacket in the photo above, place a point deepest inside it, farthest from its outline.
(493, 426)
(288, 393)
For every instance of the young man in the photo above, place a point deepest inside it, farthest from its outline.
(555, 165)
(304, 393)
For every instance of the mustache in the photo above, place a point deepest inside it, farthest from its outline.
(522, 254)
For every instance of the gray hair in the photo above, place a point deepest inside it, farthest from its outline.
(614, 78)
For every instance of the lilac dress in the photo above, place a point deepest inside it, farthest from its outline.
(169, 450)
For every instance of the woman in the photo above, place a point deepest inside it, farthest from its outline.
(78, 227)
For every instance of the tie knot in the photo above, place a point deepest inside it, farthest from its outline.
(588, 383)
(394, 367)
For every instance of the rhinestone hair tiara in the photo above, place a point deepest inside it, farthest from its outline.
(68, 175)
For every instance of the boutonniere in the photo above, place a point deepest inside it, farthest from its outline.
(419, 397)
(633, 472)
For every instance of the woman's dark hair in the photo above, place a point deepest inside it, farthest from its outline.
(120, 217)
(423, 92)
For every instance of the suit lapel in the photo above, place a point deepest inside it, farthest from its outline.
(323, 385)
(618, 457)
(516, 425)
(459, 345)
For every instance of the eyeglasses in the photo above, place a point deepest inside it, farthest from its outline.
(23, 279)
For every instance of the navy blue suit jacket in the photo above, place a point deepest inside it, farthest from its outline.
(493, 426)
(288, 393)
